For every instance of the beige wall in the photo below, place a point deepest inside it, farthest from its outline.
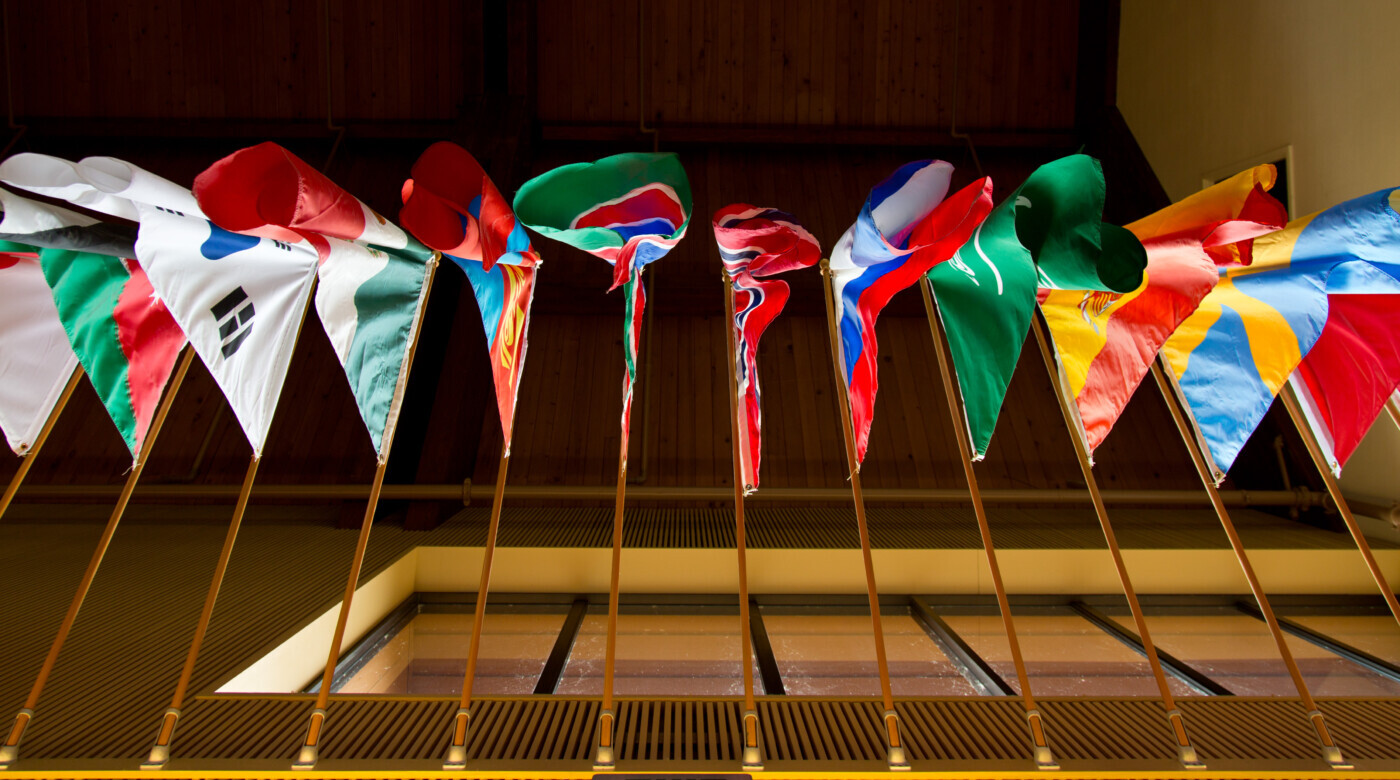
(1208, 85)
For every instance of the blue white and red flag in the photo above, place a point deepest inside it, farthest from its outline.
(757, 242)
(905, 228)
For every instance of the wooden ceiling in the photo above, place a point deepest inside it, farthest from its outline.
(798, 104)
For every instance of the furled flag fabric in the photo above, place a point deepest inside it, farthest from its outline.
(1232, 356)
(1048, 233)
(905, 228)
(373, 278)
(239, 299)
(1107, 341)
(451, 205)
(36, 359)
(757, 242)
(628, 209)
(119, 329)
(1354, 367)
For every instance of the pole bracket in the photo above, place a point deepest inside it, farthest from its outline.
(895, 756)
(753, 753)
(310, 752)
(1185, 749)
(9, 754)
(605, 755)
(1044, 759)
(457, 754)
(160, 751)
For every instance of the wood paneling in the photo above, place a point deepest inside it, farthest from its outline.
(263, 59)
(887, 63)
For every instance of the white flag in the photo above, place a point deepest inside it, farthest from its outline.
(239, 299)
(35, 357)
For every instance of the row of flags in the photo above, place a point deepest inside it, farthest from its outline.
(1238, 301)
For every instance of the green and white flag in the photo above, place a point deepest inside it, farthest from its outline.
(1049, 233)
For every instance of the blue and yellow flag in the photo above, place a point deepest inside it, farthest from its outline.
(1233, 355)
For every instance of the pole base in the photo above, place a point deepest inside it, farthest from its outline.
(1333, 756)
(457, 754)
(456, 758)
(307, 758)
(604, 759)
(1044, 759)
(159, 757)
(605, 756)
(9, 754)
(897, 759)
(752, 758)
(1188, 757)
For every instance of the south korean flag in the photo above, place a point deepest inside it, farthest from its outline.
(240, 300)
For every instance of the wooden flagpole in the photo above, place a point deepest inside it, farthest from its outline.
(1334, 488)
(1044, 759)
(309, 753)
(28, 459)
(753, 752)
(9, 752)
(1185, 751)
(895, 755)
(605, 752)
(1330, 752)
(160, 751)
(457, 749)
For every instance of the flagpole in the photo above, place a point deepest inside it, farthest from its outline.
(9, 752)
(28, 459)
(1044, 759)
(1290, 402)
(160, 751)
(753, 752)
(605, 752)
(1185, 750)
(457, 750)
(309, 753)
(895, 756)
(1331, 753)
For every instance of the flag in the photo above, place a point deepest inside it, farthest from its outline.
(239, 299)
(36, 359)
(1048, 233)
(373, 278)
(628, 209)
(1354, 367)
(1106, 341)
(1232, 356)
(120, 330)
(905, 228)
(757, 242)
(451, 205)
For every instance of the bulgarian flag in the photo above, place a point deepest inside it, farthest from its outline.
(115, 324)
(451, 205)
(1107, 340)
(1048, 233)
(628, 209)
(373, 277)
(240, 299)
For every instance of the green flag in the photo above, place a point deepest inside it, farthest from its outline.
(1048, 233)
